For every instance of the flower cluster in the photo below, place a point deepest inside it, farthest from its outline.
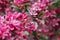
(15, 25)
(29, 20)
